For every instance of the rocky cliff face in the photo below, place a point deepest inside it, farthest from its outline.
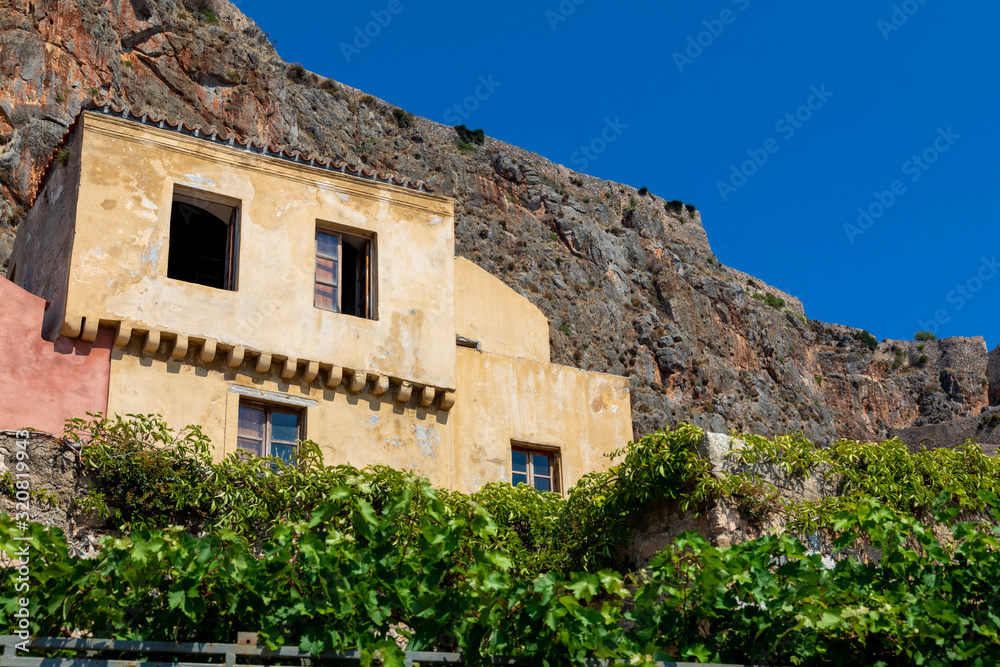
(627, 279)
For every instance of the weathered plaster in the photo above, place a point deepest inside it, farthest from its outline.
(356, 428)
(394, 390)
(508, 399)
(41, 383)
(119, 262)
(495, 316)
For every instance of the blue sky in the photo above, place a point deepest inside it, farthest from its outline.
(890, 107)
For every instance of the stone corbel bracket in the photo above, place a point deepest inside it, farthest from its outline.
(356, 381)
(427, 396)
(263, 363)
(334, 377)
(208, 350)
(289, 368)
(234, 355)
(380, 385)
(89, 330)
(180, 347)
(404, 392)
(152, 341)
(72, 327)
(124, 334)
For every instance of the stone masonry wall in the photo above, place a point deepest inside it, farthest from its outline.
(56, 469)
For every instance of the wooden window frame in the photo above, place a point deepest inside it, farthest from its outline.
(232, 261)
(368, 242)
(267, 441)
(555, 464)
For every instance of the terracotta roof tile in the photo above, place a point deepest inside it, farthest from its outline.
(229, 139)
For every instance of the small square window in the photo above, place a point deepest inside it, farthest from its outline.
(344, 270)
(538, 468)
(204, 239)
(269, 430)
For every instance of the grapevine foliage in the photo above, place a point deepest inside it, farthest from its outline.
(377, 560)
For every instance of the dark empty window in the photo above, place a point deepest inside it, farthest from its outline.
(266, 430)
(344, 274)
(203, 241)
(534, 467)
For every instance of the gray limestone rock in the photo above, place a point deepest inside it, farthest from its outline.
(506, 167)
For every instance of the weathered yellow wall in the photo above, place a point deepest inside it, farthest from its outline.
(119, 261)
(505, 392)
(359, 429)
(500, 319)
(504, 399)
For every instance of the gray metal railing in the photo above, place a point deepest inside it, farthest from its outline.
(245, 653)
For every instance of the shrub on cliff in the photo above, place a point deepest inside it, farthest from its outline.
(774, 301)
(296, 73)
(924, 336)
(201, 6)
(404, 119)
(869, 340)
(467, 136)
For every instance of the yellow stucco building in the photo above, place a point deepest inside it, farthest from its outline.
(270, 296)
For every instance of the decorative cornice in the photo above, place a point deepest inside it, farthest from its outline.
(326, 375)
(232, 140)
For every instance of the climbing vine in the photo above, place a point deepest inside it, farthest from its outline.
(148, 477)
(355, 578)
(912, 483)
(151, 477)
(336, 558)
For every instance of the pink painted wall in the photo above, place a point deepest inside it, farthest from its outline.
(42, 383)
